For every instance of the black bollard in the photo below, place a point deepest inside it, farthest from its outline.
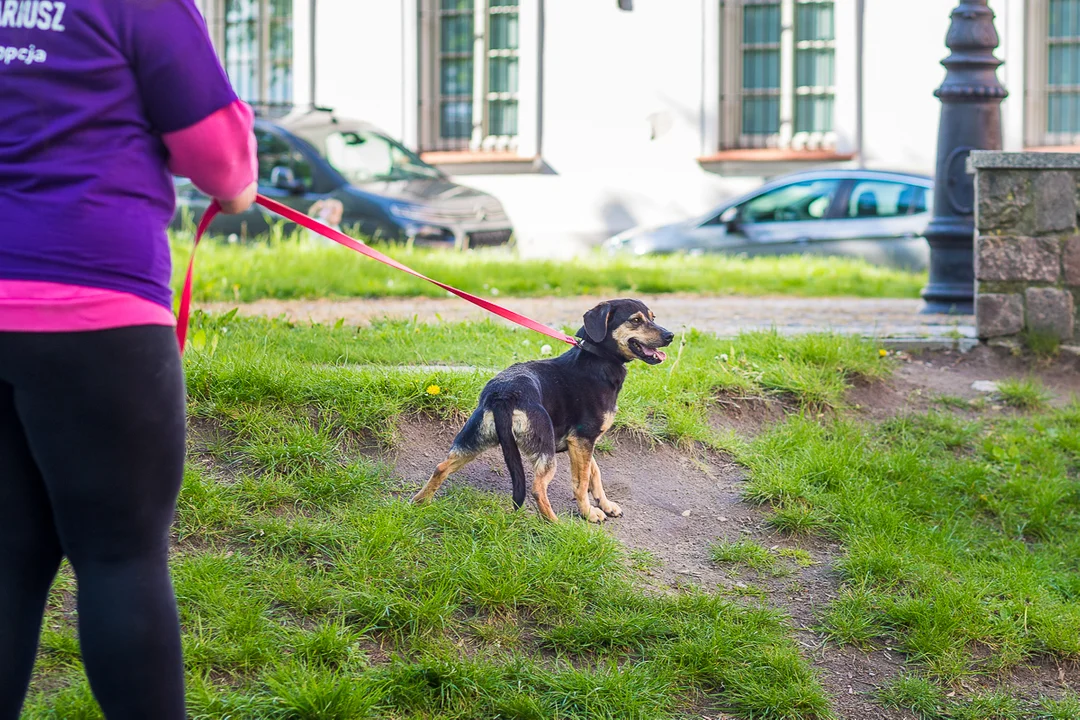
(971, 98)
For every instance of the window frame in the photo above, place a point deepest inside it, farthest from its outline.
(732, 91)
(215, 14)
(1037, 82)
(481, 145)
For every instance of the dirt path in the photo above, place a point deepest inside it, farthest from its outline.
(721, 315)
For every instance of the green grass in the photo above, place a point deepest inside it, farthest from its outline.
(777, 562)
(1042, 343)
(287, 269)
(359, 380)
(1023, 394)
(927, 701)
(961, 537)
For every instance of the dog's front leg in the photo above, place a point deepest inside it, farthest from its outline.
(597, 489)
(581, 451)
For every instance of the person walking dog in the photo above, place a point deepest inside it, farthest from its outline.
(99, 101)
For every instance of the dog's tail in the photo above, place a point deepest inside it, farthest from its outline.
(504, 428)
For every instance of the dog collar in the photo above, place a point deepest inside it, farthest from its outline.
(590, 347)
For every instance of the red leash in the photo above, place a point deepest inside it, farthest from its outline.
(343, 239)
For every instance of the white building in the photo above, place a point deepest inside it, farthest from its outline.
(585, 119)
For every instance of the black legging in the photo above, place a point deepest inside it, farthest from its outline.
(91, 460)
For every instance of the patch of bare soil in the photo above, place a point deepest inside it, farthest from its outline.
(928, 375)
(677, 504)
(748, 416)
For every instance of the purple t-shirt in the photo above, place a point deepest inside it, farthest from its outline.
(87, 88)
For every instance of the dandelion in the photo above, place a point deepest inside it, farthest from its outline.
(723, 357)
(433, 389)
(545, 349)
(882, 352)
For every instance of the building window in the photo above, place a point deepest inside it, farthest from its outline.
(1053, 102)
(473, 89)
(815, 67)
(1063, 72)
(779, 75)
(255, 41)
(279, 56)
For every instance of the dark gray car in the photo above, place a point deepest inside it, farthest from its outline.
(386, 191)
(875, 215)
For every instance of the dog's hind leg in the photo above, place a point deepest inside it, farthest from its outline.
(535, 436)
(457, 460)
(473, 439)
(581, 463)
(545, 471)
(597, 489)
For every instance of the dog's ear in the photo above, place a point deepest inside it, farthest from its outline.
(596, 321)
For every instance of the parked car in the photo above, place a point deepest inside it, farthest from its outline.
(875, 215)
(386, 191)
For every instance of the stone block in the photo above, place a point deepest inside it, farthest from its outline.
(1071, 260)
(998, 315)
(1055, 201)
(1017, 259)
(1004, 202)
(1050, 310)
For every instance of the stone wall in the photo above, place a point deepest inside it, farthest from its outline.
(1027, 244)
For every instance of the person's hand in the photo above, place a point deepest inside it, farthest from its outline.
(241, 202)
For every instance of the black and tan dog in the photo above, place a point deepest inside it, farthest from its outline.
(567, 403)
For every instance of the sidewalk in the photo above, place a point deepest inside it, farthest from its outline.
(895, 322)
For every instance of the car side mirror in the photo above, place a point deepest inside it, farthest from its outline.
(282, 178)
(730, 218)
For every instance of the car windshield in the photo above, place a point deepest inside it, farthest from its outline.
(808, 200)
(363, 156)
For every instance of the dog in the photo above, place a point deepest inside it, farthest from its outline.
(564, 404)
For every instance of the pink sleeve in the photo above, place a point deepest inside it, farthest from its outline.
(217, 153)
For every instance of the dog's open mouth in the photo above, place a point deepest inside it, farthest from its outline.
(651, 355)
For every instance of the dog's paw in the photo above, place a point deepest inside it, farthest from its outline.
(596, 515)
(420, 498)
(550, 518)
(611, 509)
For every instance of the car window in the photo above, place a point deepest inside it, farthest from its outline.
(364, 157)
(874, 198)
(274, 151)
(915, 199)
(808, 200)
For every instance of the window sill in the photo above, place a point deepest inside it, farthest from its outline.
(482, 163)
(1054, 149)
(768, 161)
(775, 155)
